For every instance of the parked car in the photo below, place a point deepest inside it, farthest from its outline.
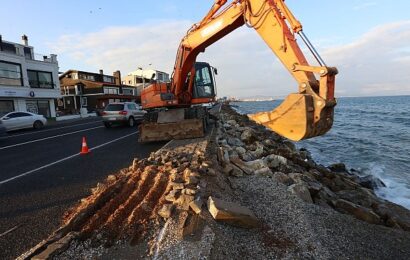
(3, 131)
(122, 113)
(22, 120)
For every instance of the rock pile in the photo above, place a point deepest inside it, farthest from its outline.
(245, 148)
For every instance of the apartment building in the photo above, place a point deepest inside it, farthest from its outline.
(93, 91)
(28, 81)
(141, 77)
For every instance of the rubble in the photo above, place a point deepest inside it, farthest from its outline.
(232, 213)
(305, 210)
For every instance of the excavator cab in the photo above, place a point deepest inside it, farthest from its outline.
(204, 89)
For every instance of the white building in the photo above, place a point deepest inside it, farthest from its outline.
(27, 82)
(138, 77)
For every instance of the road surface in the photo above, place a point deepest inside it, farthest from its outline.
(42, 175)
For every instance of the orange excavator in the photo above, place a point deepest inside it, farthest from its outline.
(174, 109)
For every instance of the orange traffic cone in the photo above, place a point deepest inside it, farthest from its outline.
(84, 147)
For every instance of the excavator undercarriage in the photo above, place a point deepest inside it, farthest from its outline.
(171, 124)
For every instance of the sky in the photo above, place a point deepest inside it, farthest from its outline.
(368, 41)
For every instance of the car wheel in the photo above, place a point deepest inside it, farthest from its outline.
(107, 125)
(131, 122)
(38, 124)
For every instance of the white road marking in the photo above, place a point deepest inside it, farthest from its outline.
(10, 230)
(64, 159)
(48, 130)
(47, 138)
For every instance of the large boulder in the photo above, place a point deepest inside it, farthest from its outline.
(234, 141)
(258, 152)
(300, 190)
(360, 196)
(283, 178)
(393, 214)
(232, 213)
(371, 182)
(249, 135)
(338, 167)
(359, 212)
(274, 161)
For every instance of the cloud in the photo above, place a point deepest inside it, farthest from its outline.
(364, 5)
(377, 63)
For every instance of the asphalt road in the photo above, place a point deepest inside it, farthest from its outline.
(42, 175)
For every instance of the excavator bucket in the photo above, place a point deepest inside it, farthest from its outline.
(299, 117)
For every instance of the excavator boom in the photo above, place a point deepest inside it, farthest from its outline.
(304, 114)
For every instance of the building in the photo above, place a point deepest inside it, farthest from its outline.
(93, 91)
(141, 77)
(28, 81)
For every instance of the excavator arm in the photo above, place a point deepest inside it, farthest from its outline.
(304, 114)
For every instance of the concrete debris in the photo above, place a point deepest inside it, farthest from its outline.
(166, 210)
(232, 213)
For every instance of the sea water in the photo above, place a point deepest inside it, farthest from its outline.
(369, 134)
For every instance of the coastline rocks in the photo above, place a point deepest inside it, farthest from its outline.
(253, 150)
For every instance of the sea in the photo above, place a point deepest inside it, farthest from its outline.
(369, 134)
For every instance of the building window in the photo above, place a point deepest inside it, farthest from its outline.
(10, 74)
(87, 77)
(84, 102)
(40, 79)
(6, 106)
(113, 91)
(74, 75)
(108, 79)
(127, 91)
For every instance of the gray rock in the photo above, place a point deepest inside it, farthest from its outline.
(258, 152)
(283, 178)
(274, 161)
(359, 212)
(235, 141)
(290, 145)
(249, 135)
(240, 150)
(393, 214)
(371, 182)
(360, 196)
(301, 191)
(338, 167)
(264, 172)
(231, 122)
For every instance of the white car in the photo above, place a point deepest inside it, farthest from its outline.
(21, 120)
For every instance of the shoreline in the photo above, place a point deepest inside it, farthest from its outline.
(166, 205)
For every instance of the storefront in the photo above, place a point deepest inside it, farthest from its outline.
(6, 106)
(38, 106)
